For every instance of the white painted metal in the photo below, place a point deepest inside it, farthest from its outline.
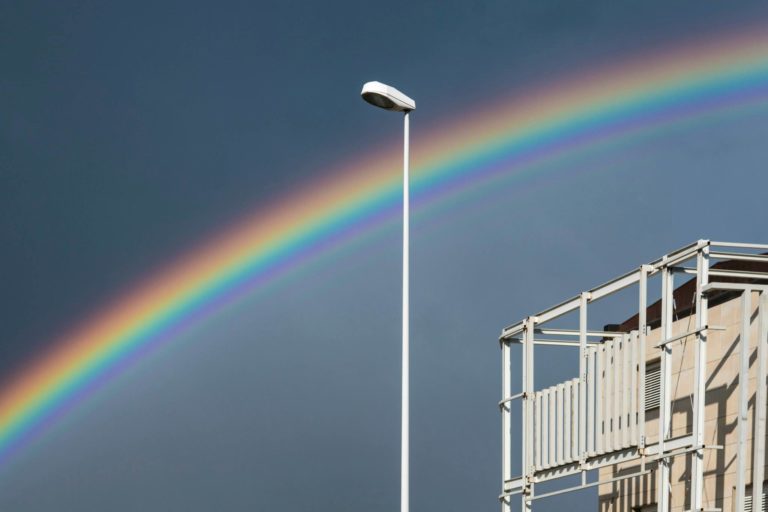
(663, 485)
(591, 363)
(398, 98)
(616, 394)
(697, 331)
(738, 256)
(506, 420)
(584, 298)
(389, 98)
(700, 368)
(575, 424)
(633, 388)
(735, 286)
(560, 426)
(758, 456)
(642, 330)
(675, 257)
(580, 411)
(542, 430)
(608, 398)
(577, 333)
(741, 463)
(552, 426)
(537, 434)
(599, 400)
(627, 388)
(527, 467)
(741, 245)
(598, 419)
(613, 286)
(568, 422)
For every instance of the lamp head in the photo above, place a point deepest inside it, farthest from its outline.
(386, 97)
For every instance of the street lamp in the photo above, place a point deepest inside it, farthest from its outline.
(389, 98)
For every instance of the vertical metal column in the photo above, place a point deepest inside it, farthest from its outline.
(642, 314)
(568, 443)
(741, 463)
(626, 389)
(700, 376)
(616, 393)
(633, 389)
(599, 390)
(583, 383)
(591, 386)
(758, 457)
(528, 401)
(608, 385)
(506, 420)
(663, 487)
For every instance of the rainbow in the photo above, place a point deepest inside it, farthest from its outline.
(591, 108)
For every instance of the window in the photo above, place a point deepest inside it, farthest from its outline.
(652, 385)
(748, 500)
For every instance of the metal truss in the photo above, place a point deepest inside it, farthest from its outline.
(598, 418)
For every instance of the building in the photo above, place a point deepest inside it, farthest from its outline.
(655, 416)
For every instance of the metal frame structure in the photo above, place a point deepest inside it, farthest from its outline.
(598, 418)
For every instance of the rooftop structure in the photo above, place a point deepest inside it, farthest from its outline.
(660, 412)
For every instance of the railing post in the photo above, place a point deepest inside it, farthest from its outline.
(506, 421)
(741, 463)
(758, 457)
(642, 314)
(528, 401)
(700, 376)
(583, 383)
(667, 299)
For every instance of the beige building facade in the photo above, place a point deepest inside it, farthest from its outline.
(721, 414)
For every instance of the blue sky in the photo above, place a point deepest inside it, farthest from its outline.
(130, 132)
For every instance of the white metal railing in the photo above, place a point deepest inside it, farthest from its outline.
(612, 409)
(598, 419)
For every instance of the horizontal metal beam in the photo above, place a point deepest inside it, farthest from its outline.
(689, 333)
(512, 330)
(562, 343)
(741, 245)
(606, 289)
(678, 256)
(741, 274)
(672, 447)
(510, 398)
(737, 287)
(514, 485)
(576, 333)
(559, 310)
(614, 285)
(590, 484)
(739, 256)
(555, 343)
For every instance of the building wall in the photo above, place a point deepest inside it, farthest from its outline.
(722, 394)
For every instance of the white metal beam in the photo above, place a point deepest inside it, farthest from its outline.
(758, 457)
(700, 377)
(741, 446)
(663, 486)
(506, 419)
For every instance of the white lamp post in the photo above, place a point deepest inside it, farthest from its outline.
(389, 98)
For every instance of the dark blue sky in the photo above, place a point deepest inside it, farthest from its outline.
(131, 132)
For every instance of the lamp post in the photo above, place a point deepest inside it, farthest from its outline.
(389, 98)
